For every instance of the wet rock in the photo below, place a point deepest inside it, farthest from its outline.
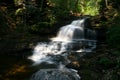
(55, 74)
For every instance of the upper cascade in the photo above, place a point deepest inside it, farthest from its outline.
(76, 31)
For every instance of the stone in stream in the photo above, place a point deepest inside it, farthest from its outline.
(55, 74)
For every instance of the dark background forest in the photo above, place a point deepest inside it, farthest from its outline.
(23, 22)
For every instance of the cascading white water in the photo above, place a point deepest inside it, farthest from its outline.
(70, 38)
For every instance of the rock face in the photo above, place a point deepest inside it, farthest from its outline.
(55, 74)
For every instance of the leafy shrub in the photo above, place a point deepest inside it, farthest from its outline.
(113, 35)
(41, 27)
(115, 53)
(106, 63)
(89, 7)
(86, 7)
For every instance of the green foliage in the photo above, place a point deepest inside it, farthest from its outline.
(105, 62)
(115, 53)
(85, 7)
(56, 11)
(19, 11)
(41, 27)
(61, 10)
(64, 4)
(18, 2)
(89, 7)
(113, 35)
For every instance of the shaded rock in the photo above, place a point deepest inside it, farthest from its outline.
(55, 74)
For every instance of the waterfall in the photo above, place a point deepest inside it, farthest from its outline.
(74, 37)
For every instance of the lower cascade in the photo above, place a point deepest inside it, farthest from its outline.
(73, 38)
